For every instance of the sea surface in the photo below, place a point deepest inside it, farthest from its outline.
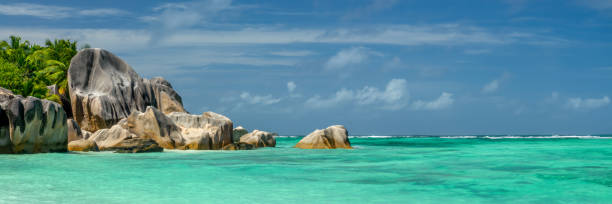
(381, 169)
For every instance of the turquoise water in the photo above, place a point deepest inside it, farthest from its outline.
(379, 170)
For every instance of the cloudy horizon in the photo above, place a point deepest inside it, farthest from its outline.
(379, 67)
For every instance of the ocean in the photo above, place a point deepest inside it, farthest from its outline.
(381, 169)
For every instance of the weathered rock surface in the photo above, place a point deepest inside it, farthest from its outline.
(239, 132)
(104, 89)
(64, 99)
(31, 125)
(209, 131)
(333, 137)
(82, 145)
(259, 138)
(74, 131)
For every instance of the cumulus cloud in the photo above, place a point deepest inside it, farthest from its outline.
(341, 96)
(55, 12)
(256, 99)
(393, 97)
(444, 101)
(291, 86)
(491, 86)
(588, 103)
(346, 57)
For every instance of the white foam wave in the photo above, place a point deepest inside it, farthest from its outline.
(548, 137)
(376, 136)
(459, 137)
(493, 137)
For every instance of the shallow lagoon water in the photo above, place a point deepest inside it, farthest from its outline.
(525, 169)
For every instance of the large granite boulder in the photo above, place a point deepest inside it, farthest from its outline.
(259, 138)
(198, 130)
(31, 125)
(104, 89)
(333, 137)
(209, 131)
(238, 132)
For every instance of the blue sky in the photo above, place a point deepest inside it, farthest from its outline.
(379, 67)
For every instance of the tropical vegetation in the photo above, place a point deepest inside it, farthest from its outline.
(27, 69)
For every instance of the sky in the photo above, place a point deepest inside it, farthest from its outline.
(379, 67)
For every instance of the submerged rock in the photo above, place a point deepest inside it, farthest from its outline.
(333, 137)
(239, 132)
(259, 138)
(104, 89)
(31, 125)
(82, 145)
(239, 146)
(136, 145)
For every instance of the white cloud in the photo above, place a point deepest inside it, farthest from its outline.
(298, 53)
(588, 103)
(476, 51)
(54, 12)
(444, 101)
(102, 12)
(346, 57)
(256, 99)
(393, 97)
(343, 95)
(172, 17)
(439, 34)
(291, 86)
(491, 86)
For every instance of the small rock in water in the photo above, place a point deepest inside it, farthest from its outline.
(333, 137)
(82, 145)
(136, 145)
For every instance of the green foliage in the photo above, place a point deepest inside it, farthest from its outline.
(27, 69)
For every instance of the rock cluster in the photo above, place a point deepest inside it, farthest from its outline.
(31, 125)
(333, 137)
(114, 109)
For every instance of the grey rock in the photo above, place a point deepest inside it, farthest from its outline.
(104, 89)
(31, 125)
